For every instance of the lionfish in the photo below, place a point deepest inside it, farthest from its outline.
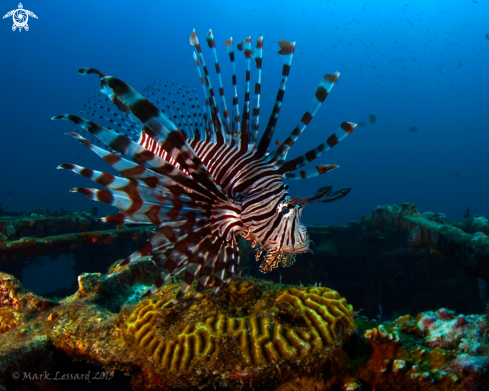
(201, 175)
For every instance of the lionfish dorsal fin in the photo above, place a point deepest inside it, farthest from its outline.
(245, 47)
(227, 125)
(208, 125)
(344, 130)
(173, 97)
(236, 124)
(257, 55)
(322, 91)
(287, 53)
(215, 117)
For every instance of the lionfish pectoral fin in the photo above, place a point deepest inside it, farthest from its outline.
(323, 191)
(160, 128)
(272, 260)
(88, 71)
(337, 195)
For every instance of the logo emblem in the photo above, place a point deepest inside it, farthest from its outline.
(20, 17)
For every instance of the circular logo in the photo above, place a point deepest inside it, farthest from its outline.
(20, 18)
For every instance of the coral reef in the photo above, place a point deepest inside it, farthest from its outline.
(263, 335)
(470, 251)
(277, 330)
(18, 306)
(413, 353)
(254, 334)
(26, 236)
(34, 235)
(386, 259)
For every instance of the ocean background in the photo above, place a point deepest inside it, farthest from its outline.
(412, 63)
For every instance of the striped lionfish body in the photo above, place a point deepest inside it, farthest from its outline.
(201, 175)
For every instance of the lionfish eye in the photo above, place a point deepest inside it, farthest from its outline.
(285, 210)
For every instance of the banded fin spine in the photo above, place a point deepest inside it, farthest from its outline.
(211, 44)
(215, 116)
(257, 55)
(287, 53)
(312, 172)
(211, 133)
(139, 154)
(159, 127)
(245, 46)
(344, 130)
(236, 119)
(322, 91)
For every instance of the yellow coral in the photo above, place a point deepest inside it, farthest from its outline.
(289, 324)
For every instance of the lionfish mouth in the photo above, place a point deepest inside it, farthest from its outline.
(199, 172)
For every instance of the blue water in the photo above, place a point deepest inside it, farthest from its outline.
(410, 63)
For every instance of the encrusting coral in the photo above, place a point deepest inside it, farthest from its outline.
(254, 335)
(268, 331)
(413, 353)
(18, 306)
(469, 250)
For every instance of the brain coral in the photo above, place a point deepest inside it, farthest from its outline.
(248, 334)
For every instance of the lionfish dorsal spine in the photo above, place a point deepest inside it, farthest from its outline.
(344, 130)
(215, 116)
(287, 53)
(226, 123)
(210, 134)
(245, 47)
(322, 91)
(236, 127)
(257, 55)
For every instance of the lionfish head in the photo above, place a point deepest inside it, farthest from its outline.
(290, 237)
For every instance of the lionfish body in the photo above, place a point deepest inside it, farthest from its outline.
(203, 177)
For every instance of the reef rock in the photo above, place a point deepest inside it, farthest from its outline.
(247, 336)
